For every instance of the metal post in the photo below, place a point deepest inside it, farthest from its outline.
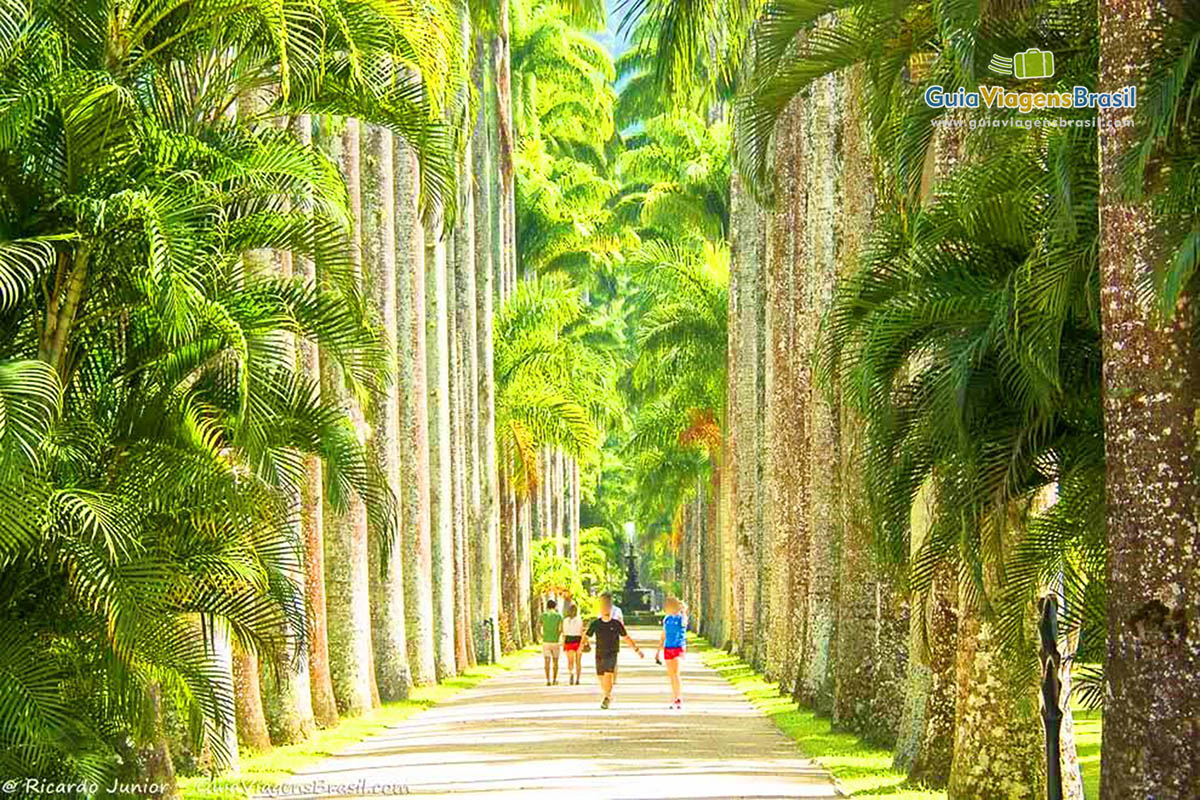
(1051, 689)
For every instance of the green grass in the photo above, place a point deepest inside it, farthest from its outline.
(1087, 744)
(260, 770)
(860, 770)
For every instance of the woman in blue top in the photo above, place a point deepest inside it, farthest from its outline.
(672, 644)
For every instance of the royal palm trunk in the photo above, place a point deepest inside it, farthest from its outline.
(441, 507)
(414, 426)
(312, 517)
(251, 721)
(347, 575)
(385, 554)
(486, 570)
(1151, 389)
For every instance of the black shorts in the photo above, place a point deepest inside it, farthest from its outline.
(571, 639)
(606, 662)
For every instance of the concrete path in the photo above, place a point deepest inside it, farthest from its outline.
(513, 736)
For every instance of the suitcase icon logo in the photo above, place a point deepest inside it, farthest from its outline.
(1032, 63)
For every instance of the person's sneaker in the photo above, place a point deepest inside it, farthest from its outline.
(604, 703)
(547, 683)
(677, 705)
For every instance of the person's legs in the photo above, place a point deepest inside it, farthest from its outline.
(606, 685)
(556, 655)
(578, 665)
(673, 674)
(546, 659)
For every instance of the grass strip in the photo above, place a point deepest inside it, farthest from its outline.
(860, 769)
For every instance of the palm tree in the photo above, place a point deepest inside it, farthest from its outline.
(1150, 396)
(414, 467)
(437, 359)
(385, 556)
(167, 348)
(486, 567)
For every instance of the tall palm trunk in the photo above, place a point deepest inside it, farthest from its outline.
(509, 528)
(524, 555)
(223, 729)
(1151, 392)
(506, 149)
(441, 509)
(385, 555)
(998, 750)
(247, 699)
(347, 574)
(575, 508)
(458, 481)
(823, 468)
(152, 759)
(284, 675)
(312, 518)
(486, 569)
(934, 693)
(935, 751)
(414, 426)
(475, 533)
(788, 388)
(747, 243)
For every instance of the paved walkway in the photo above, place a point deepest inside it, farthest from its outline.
(513, 736)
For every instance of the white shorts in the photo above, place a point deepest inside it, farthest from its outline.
(551, 650)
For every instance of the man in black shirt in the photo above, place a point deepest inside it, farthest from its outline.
(608, 632)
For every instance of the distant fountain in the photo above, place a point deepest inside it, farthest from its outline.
(634, 597)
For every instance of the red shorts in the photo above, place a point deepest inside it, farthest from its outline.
(672, 652)
(571, 646)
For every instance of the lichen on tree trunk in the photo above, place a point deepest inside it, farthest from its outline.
(385, 553)
(414, 455)
(1151, 744)
(347, 578)
(251, 721)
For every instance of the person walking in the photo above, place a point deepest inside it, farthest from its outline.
(671, 646)
(572, 639)
(552, 623)
(608, 632)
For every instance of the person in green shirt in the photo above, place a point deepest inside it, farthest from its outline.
(552, 623)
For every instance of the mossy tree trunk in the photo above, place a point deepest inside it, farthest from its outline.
(385, 553)
(747, 242)
(935, 751)
(247, 699)
(823, 473)
(312, 517)
(441, 507)
(998, 748)
(486, 572)
(347, 574)
(788, 391)
(285, 674)
(414, 415)
(1151, 744)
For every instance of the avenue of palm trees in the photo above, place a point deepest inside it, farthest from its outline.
(335, 334)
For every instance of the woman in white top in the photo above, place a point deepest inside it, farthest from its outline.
(572, 634)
